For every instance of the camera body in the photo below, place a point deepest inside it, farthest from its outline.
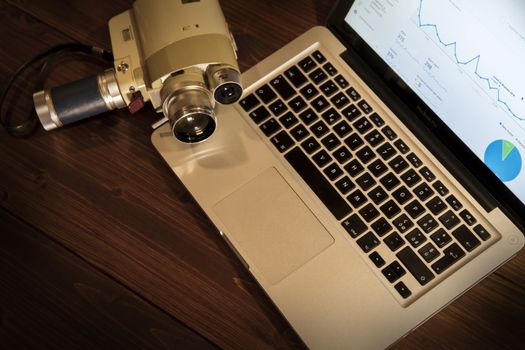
(179, 55)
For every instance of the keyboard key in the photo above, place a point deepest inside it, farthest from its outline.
(308, 116)
(414, 209)
(378, 195)
(451, 255)
(309, 91)
(390, 209)
(354, 141)
(270, 127)
(414, 160)
(377, 168)
(295, 76)
(427, 223)
(259, 115)
(342, 155)
(403, 290)
(354, 168)
(369, 212)
(423, 192)
(342, 128)
(319, 57)
(333, 171)
(381, 227)
(365, 154)
(386, 151)
(318, 76)
(436, 205)
(322, 158)
(368, 242)
(365, 181)
(319, 128)
(351, 112)
(377, 259)
(389, 133)
(320, 104)
(299, 133)
(249, 102)
(394, 241)
(365, 107)
(330, 69)
(402, 195)
(440, 188)
(330, 141)
(343, 84)
(389, 181)
(307, 64)
(374, 138)
(310, 145)
(467, 217)
(282, 141)
(362, 125)
(340, 100)
(401, 146)
(297, 104)
(354, 95)
(415, 237)
(440, 238)
(278, 107)
(398, 164)
(415, 266)
(331, 116)
(354, 225)
(427, 174)
(411, 178)
(328, 88)
(265, 93)
(428, 252)
(288, 120)
(283, 88)
(481, 232)
(449, 219)
(453, 202)
(402, 223)
(466, 238)
(377, 120)
(390, 274)
(357, 198)
(318, 183)
(345, 185)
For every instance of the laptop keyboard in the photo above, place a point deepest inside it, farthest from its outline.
(364, 173)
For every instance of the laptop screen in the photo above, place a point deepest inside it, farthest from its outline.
(464, 59)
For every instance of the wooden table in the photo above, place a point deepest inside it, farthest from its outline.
(102, 247)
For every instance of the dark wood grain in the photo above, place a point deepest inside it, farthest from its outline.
(53, 299)
(99, 189)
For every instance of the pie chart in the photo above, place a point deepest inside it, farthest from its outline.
(504, 159)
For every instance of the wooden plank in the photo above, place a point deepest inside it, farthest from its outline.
(100, 189)
(53, 299)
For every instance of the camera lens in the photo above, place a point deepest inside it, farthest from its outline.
(228, 93)
(224, 81)
(194, 127)
(189, 108)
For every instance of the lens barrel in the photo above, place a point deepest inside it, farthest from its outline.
(225, 82)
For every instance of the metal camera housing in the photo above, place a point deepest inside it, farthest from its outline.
(177, 54)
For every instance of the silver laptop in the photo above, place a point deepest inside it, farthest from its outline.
(372, 172)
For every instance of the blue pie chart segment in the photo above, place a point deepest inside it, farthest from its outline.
(504, 159)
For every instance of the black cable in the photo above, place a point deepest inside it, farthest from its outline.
(50, 57)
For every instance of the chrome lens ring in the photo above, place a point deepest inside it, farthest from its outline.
(193, 124)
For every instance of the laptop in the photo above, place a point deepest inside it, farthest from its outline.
(372, 171)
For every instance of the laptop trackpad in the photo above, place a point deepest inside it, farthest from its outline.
(271, 226)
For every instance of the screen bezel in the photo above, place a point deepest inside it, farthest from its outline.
(505, 197)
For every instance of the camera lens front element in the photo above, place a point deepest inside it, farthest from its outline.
(190, 113)
(228, 93)
(224, 81)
